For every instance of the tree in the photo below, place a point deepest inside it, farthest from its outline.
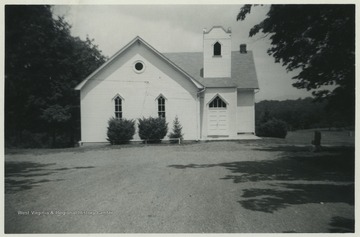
(43, 64)
(319, 41)
(176, 130)
(55, 115)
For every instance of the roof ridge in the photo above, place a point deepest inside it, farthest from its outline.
(183, 52)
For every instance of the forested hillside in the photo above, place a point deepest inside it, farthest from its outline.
(300, 114)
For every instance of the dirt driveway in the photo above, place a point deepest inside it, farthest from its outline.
(215, 187)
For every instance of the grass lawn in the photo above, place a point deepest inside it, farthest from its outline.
(328, 137)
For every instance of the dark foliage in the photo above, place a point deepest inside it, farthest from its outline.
(43, 64)
(177, 130)
(152, 129)
(299, 114)
(120, 131)
(272, 128)
(319, 41)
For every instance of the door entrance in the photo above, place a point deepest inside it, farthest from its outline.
(217, 118)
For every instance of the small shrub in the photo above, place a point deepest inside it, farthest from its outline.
(153, 129)
(272, 128)
(120, 131)
(177, 128)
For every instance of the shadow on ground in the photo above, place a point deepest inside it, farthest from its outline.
(290, 166)
(289, 194)
(342, 225)
(20, 176)
(301, 177)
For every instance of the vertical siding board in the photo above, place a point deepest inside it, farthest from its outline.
(245, 111)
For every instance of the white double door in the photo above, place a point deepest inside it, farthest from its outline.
(218, 122)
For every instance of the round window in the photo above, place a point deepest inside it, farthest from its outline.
(139, 66)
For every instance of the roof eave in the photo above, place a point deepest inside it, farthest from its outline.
(248, 88)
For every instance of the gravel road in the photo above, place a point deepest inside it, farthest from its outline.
(214, 187)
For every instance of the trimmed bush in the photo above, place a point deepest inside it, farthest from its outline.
(176, 133)
(272, 128)
(152, 129)
(120, 131)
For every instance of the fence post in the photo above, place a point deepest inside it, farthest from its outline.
(317, 141)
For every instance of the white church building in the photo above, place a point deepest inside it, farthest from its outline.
(212, 92)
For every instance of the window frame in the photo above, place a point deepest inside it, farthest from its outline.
(217, 49)
(142, 69)
(118, 107)
(218, 103)
(161, 106)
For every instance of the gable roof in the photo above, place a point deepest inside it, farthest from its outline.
(190, 64)
(242, 69)
(135, 40)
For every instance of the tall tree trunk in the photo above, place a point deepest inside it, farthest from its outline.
(53, 137)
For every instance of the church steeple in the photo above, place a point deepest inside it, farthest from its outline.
(217, 52)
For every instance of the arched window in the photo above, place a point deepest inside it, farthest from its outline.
(161, 107)
(217, 49)
(118, 107)
(217, 103)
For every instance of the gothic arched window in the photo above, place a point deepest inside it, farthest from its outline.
(118, 107)
(161, 107)
(217, 49)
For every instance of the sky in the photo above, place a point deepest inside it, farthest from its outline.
(178, 28)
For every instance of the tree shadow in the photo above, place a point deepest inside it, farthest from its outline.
(290, 167)
(342, 225)
(14, 186)
(83, 167)
(270, 200)
(334, 169)
(20, 176)
(26, 169)
(76, 168)
(304, 148)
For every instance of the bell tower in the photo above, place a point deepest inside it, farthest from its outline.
(217, 52)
